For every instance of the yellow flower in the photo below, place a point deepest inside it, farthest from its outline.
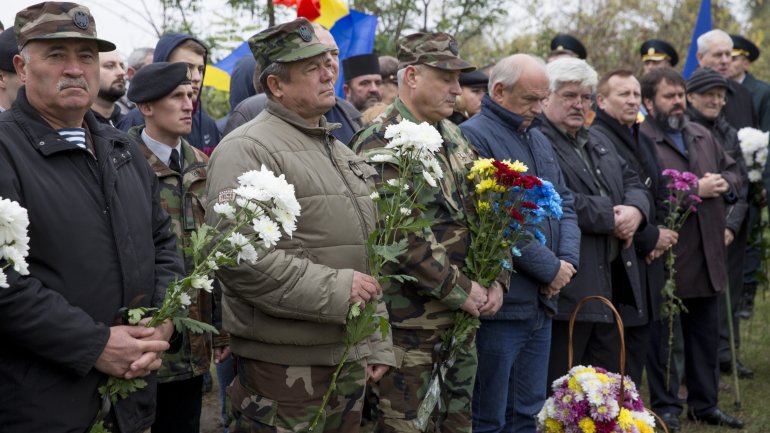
(587, 425)
(485, 185)
(518, 166)
(483, 206)
(603, 378)
(574, 385)
(553, 426)
(625, 419)
(481, 166)
(643, 427)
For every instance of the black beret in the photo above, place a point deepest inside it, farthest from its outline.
(705, 79)
(157, 80)
(474, 79)
(658, 50)
(8, 49)
(744, 47)
(565, 42)
(365, 64)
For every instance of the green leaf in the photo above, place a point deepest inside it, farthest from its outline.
(391, 253)
(118, 389)
(192, 325)
(137, 314)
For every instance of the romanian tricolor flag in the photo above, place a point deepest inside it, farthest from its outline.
(353, 31)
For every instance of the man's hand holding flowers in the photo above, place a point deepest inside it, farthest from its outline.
(712, 185)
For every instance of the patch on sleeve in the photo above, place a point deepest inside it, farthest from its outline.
(226, 196)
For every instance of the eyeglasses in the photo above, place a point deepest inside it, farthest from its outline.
(572, 98)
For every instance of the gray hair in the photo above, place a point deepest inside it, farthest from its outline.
(24, 53)
(280, 70)
(136, 59)
(707, 39)
(402, 71)
(567, 70)
(508, 70)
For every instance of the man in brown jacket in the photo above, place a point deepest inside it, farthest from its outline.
(285, 314)
(701, 271)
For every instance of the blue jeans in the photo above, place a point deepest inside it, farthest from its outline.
(511, 383)
(225, 375)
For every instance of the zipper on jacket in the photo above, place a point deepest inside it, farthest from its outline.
(353, 197)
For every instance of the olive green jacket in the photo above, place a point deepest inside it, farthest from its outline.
(289, 308)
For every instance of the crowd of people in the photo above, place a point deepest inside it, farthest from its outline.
(117, 164)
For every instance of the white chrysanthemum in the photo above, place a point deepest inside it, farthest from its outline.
(433, 167)
(248, 254)
(201, 282)
(184, 299)
(755, 175)
(16, 257)
(429, 179)
(381, 157)
(13, 223)
(286, 219)
(427, 138)
(212, 264)
(225, 210)
(237, 240)
(405, 211)
(263, 186)
(374, 196)
(267, 230)
(392, 182)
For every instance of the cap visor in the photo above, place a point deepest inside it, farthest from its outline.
(452, 65)
(101, 44)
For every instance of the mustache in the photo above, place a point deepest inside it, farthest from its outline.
(67, 83)
(575, 113)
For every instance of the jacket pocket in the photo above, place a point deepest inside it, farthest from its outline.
(251, 405)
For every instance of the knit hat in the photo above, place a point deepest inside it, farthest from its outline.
(705, 79)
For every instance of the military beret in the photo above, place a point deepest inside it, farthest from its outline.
(57, 20)
(658, 50)
(438, 50)
(157, 80)
(565, 42)
(705, 79)
(474, 79)
(284, 43)
(744, 47)
(8, 49)
(365, 64)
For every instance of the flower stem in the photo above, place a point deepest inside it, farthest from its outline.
(332, 388)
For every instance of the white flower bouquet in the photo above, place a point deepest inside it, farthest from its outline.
(14, 242)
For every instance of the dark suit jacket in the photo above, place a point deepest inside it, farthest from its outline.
(639, 153)
(739, 110)
(596, 220)
(701, 243)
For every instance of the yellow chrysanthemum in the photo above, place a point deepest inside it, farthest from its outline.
(625, 419)
(518, 166)
(643, 426)
(483, 206)
(553, 426)
(574, 385)
(587, 425)
(585, 370)
(486, 185)
(482, 166)
(603, 378)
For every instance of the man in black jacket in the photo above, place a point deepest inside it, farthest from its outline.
(611, 205)
(99, 240)
(618, 98)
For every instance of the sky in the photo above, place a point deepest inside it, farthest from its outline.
(122, 22)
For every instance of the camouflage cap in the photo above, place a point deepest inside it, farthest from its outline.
(289, 42)
(439, 50)
(57, 20)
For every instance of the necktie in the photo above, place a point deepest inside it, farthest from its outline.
(173, 162)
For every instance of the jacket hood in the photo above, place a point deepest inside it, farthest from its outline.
(169, 41)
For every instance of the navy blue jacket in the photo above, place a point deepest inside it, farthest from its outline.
(205, 134)
(495, 133)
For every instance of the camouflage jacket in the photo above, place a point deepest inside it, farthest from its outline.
(437, 255)
(190, 354)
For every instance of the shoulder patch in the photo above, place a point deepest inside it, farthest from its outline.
(226, 196)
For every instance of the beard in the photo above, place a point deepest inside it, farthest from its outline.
(112, 93)
(667, 121)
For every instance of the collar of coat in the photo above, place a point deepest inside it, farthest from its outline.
(47, 141)
(195, 161)
(512, 120)
(322, 130)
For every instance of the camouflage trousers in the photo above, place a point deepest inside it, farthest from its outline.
(402, 389)
(279, 398)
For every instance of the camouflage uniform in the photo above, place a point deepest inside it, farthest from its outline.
(190, 354)
(421, 311)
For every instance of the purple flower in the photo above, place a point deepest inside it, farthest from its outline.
(672, 199)
(681, 185)
(671, 172)
(695, 199)
(690, 178)
(693, 209)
